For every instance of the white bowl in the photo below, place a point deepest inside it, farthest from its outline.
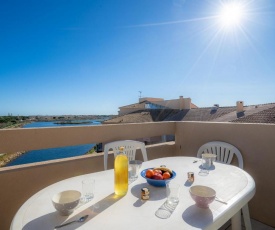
(202, 195)
(65, 202)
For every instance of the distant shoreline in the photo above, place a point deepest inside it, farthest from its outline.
(17, 125)
(6, 158)
(72, 122)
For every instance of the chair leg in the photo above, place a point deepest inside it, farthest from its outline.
(246, 217)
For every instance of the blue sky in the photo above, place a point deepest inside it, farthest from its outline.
(92, 56)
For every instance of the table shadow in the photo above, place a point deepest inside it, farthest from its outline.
(50, 220)
(45, 222)
(154, 195)
(188, 183)
(210, 169)
(136, 191)
(197, 217)
(166, 210)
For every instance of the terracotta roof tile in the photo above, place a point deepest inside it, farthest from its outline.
(252, 114)
(147, 115)
(200, 114)
(264, 116)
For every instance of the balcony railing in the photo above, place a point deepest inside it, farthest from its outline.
(18, 183)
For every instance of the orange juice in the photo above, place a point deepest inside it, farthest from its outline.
(121, 174)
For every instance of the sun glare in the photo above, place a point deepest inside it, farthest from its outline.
(231, 14)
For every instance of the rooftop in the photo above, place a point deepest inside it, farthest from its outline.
(145, 115)
(262, 113)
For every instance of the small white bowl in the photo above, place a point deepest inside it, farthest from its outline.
(202, 195)
(65, 202)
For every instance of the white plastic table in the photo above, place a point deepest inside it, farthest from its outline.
(108, 211)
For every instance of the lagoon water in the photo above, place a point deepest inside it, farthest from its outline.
(53, 153)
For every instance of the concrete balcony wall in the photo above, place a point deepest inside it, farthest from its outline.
(257, 145)
(18, 183)
(41, 138)
(255, 141)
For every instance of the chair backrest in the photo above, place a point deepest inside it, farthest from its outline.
(223, 150)
(130, 148)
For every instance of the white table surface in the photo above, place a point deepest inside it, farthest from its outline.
(107, 211)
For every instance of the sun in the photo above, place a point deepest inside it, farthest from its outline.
(231, 14)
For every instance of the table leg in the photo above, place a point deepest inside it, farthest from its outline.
(236, 221)
(246, 217)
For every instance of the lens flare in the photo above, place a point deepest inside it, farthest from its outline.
(232, 14)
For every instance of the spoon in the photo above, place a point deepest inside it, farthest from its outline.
(220, 200)
(81, 219)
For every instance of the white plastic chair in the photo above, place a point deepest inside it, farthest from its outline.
(225, 153)
(130, 148)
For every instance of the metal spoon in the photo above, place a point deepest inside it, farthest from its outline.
(220, 200)
(81, 219)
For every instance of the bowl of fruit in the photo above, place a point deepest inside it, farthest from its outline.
(159, 176)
